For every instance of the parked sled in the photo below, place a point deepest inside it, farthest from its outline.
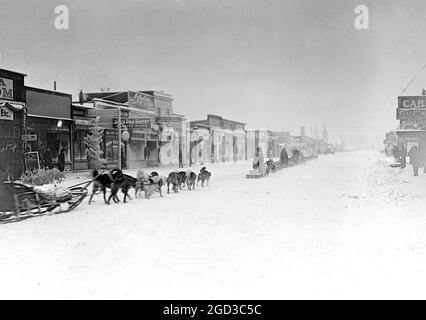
(20, 202)
(257, 173)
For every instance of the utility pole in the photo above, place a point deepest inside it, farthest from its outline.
(119, 137)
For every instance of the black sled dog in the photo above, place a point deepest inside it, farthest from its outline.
(103, 181)
(123, 182)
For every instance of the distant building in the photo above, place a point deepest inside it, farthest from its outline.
(156, 133)
(217, 140)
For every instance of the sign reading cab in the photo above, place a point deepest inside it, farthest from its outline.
(412, 102)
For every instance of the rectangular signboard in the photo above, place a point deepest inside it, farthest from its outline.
(169, 119)
(412, 102)
(135, 123)
(29, 137)
(6, 89)
(6, 114)
(407, 114)
(141, 100)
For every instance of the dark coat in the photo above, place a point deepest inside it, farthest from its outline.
(284, 156)
(47, 157)
(415, 157)
(61, 161)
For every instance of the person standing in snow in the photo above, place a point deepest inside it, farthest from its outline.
(415, 160)
(259, 160)
(256, 159)
(48, 162)
(284, 157)
(61, 160)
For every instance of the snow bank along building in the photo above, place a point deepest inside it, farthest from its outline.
(217, 140)
(155, 133)
(411, 113)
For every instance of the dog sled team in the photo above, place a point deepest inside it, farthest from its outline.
(262, 168)
(144, 182)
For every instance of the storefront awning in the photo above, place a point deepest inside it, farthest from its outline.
(12, 105)
(410, 131)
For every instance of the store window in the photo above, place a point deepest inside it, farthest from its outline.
(111, 145)
(51, 139)
(57, 142)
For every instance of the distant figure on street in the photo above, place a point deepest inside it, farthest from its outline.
(61, 160)
(284, 157)
(259, 160)
(47, 157)
(415, 160)
(146, 153)
(296, 156)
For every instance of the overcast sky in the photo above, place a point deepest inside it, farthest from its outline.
(280, 64)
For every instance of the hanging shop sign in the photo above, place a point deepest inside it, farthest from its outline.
(6, 89)
(134, 123)
(29, 137)
(6, 114)
(168, 119)
(172, 122)
(141, 100)
(407, 114)
(412, 102)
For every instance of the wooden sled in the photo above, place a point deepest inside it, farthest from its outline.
(256, 174)
(25, 203)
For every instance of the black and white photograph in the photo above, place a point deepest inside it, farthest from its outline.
(212, 150)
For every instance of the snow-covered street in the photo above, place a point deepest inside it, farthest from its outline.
(342, 226)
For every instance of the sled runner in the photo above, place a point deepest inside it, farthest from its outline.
(20, 202)
(256, 174)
